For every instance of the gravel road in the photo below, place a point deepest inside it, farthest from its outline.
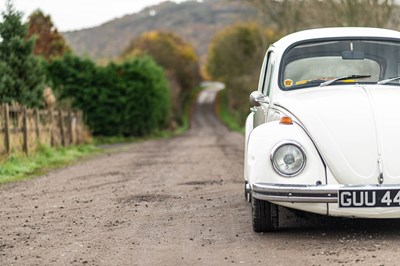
(172, 202)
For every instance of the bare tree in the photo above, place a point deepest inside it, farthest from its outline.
(285, 15)
(292, 15)
(372, 13)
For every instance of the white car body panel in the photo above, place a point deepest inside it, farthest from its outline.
(259, 168)
(386, 101)
(351, 134)
(341, 127)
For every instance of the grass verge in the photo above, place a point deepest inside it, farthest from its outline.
(225, 115)
(19, 166)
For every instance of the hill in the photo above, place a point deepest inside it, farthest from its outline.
(195, 21)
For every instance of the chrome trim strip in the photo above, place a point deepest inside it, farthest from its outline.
(297, 199)
(308, 193)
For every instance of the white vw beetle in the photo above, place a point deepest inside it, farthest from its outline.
(324, 132)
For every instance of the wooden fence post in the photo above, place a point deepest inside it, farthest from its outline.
(79, 127)
(25, 130)
(7, 139)
(52, 141)
(70, 127)
(77, 140)
(37, 124)
(61, 118)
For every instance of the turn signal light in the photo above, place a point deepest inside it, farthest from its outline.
(286, 120)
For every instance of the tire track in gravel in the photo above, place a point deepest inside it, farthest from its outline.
(172, 202)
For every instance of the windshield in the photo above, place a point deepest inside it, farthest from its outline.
(311, 64)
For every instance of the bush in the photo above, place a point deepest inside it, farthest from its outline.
(127, 99)
(235, 58)
(143, 102)
(177, 57)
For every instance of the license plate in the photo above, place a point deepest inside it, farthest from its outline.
(354, 198)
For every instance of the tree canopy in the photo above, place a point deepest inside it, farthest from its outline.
(21, 74)
(235, 57)
(48, 42)
(177, 57)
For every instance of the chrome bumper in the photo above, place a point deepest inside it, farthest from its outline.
(307, 193)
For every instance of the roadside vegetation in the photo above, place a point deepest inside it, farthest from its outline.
(225, 114)
(177, 57)
(143, 94)
(234, 58)
(19, 166)
(183, 127)
(130, 98)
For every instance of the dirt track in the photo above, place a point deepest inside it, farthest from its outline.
(172, 202)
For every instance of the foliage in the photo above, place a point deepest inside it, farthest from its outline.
(17, 167)
(21, 74)
(176, 56)
(235, 57)
(236, 51)
(48, 42)
(225, 115)
(143, 105)
(127, 99)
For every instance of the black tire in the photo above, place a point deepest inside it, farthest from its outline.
(247, 194)
(265, 215)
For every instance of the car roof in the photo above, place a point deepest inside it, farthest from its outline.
(323, 33)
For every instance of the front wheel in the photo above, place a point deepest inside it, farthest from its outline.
(247, 193)
(265, 215)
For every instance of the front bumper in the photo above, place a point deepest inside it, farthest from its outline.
(307, 193)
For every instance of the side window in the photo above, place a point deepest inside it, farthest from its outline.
(269, 73)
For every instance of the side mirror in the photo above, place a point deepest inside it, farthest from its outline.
(257, 98)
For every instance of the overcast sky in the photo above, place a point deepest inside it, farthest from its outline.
(77, 14)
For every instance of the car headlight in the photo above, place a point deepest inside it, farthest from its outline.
(288, 159)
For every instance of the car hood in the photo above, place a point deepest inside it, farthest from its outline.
(355, 128)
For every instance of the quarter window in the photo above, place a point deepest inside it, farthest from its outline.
(269, 74)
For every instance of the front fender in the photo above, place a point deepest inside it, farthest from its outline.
(261, 142)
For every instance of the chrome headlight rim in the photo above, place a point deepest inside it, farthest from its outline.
(277, 147)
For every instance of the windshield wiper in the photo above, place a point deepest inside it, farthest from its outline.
(387, 80)
(326, 83)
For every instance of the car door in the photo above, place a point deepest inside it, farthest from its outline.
(264, 86)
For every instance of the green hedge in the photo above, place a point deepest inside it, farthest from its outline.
(126, 99)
